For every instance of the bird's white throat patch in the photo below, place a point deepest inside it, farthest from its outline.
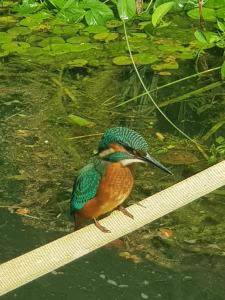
(129, 161)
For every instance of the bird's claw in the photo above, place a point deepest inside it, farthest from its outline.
(102, 228)
(125, 212)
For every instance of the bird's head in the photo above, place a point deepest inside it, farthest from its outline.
(122, 139)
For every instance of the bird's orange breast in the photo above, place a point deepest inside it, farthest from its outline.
(114, 188)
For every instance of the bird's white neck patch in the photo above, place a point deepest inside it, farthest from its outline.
(129, 161)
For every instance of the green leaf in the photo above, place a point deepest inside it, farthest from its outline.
(71, 14)
(214, 3)
(126, 9)
(81, 47)
(58, 49)
(211, 37)
(223, 70)
(122, 60)
(220, 13)
(93, 18)
(7, 20)
(35, 51)
(173, 65)
(208, 14)
(212, 130)
(144, 58)
(5, 37)
(18, 47)
(51, 40)
(69, 29)
(96, 29)
(35, 20)
(57, 3)
(140, 58)
(161, 11)
(27, 7)
(200, 37)
(19, 30)
(3, 53)
(76, 120)
(106, 36)
(221, 26)
(78, 39)
(77, 62)
(97, 13)
(220, 139)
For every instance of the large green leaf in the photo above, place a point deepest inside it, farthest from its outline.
(72, 14)
(126, 9)
(97, 13)
(161, 11)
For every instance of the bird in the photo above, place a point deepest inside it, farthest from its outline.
(107, 180)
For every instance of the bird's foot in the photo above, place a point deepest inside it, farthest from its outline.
(102, 228)
(125, 212)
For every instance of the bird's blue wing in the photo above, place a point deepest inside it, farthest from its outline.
(85, 186)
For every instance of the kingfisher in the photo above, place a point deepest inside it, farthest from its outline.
(106, 182)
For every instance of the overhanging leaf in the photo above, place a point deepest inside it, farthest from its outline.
(161, 11)
(97, 13)
(126, 9)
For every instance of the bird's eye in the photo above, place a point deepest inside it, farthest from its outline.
(129, 149)
(135, 152)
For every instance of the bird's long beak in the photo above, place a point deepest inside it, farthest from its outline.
(148, 158)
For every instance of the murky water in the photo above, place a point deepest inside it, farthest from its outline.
(93, 276)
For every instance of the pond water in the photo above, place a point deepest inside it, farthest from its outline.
(93, 276)
(61, 87)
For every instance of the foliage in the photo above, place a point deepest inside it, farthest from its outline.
(71, 34)
(160, 12)
(217, 150)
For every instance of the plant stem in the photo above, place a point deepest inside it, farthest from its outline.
(153, 101)
(166, 85)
